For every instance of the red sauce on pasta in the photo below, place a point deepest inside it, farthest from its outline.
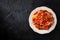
(42, 19)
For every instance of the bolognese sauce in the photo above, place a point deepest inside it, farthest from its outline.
(42, 19)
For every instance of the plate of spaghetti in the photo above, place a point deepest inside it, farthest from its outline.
(42, 20)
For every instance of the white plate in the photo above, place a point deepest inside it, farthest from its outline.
(42, 31)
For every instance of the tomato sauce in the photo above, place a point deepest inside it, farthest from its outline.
(42, 19)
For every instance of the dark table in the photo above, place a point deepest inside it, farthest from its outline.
(14, 16)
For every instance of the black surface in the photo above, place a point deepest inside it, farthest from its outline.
(14, 16)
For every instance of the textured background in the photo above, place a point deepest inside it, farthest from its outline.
(14, 16)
